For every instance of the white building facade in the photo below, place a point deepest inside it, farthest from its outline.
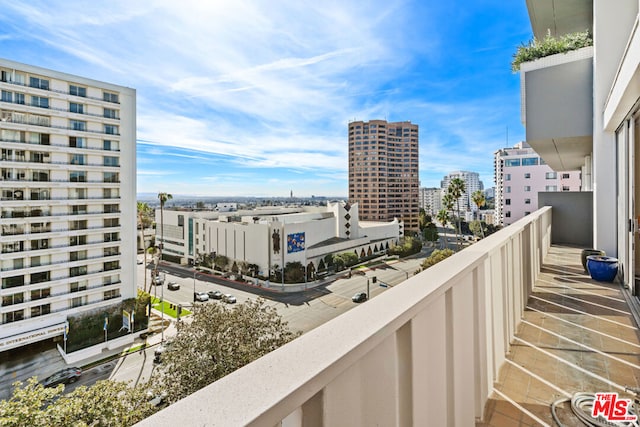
(472, 183)
(431, 200)
(520, 174)
(67, 209)
(272, 237)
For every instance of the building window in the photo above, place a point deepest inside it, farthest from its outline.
(507, 201)
(527, 175)
(527, 201)
(111, 294)
(512, 162)
(110, 113)
(39, 83)
(110, 161)
(78, 271)
(527, 188)
(78, 125)
(78, 286)
(14, 316)
(550, 175)
(13, 299)
(111, 129)
(40, 293)
(77, 240)
(76, 108)
(565, 188)
(78, 176)
(507, 214)
(110, 97)
(78, 91)
(565, 176)
(43, 276)
(507, 190)
(77, 142)
(40, 310)
(110, 177)
(530, 161)
(507, 177)
(551, 188)
(39, 101)
(527, 212)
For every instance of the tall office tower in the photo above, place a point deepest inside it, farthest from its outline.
(471, 183)
(520, 173)
(383, 171)
(68, 203)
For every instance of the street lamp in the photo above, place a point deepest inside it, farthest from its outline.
(164, 276)
(194, 285)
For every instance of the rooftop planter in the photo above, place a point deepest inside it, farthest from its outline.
(548, 46)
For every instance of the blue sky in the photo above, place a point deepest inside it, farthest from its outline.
(253, 97)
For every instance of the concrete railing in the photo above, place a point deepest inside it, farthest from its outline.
(422, 353)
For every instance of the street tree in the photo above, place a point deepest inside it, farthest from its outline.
(444, 219)
(456, 189)
(216, 342)
(106, 403)
(163, 198)
(144, 221)
(479, 200)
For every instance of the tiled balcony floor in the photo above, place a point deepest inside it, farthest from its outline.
(577, 335)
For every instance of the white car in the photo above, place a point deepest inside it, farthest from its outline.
(229, 299)
(201, 296)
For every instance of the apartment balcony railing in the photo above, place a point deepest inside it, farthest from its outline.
(110, 100)
(46, 124)
(62, 110)
(17, 141)
(426, 352)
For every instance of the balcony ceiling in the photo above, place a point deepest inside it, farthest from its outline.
(564, 154)
(560, 16)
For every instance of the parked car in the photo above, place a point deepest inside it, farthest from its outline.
(215, 294)
(140, 262)
(173, 286)
(229, 299)
(359, 297)
(157, 281)
(64, 376)
(201, 296)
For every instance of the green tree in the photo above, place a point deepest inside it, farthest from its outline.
(294, 272)
(444, 219)
(423, 219)
(435, 257)
(221, 261)
(144, 221)
(456, 189)
(106, 403)
(479, 200)
(163, 198)
(477, 228)
(218, 341)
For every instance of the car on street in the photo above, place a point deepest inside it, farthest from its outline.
(64, 376)
(359, 297)
(215, 294)
(140, 262)
(173, 286)
(157, 281)
(201, 296)
(229, 299)
(159, 351)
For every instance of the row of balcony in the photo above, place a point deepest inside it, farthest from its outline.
(62, 110)
(111, 98)
(40, 213)
(14, 141)
(46, 123)
(52, 263)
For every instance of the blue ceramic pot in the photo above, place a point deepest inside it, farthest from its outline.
(602, 268)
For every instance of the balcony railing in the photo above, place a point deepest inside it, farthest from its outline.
(425, 352)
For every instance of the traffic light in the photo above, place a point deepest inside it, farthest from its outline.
(374, 279)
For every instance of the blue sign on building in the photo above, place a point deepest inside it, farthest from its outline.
(295, 242)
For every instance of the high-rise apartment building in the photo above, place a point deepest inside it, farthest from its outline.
(472, 183)
(67, 208)
(383, 171)
(520, 173)
(430, 199)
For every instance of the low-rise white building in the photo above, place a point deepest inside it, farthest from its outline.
(271, 237)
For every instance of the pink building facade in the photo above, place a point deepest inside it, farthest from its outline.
(520, 174)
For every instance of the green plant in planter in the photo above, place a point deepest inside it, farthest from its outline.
(548, 46)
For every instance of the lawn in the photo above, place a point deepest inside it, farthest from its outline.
(168, 307)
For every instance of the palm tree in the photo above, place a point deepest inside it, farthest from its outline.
(447, 202)
(143, 218)
(479, 200)
(443, 218)
(163, 197)
(457, 189)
